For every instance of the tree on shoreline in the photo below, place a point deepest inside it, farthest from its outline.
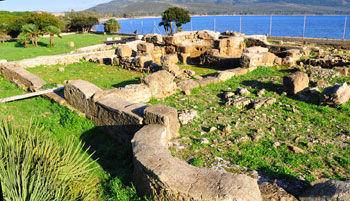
(82, 22)
(173, 18)
(112, 26)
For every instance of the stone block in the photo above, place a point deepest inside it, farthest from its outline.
(145, 47)
(224, 75)
(255, 50)
(295, 83)
(184, 58)
(78, 94)
(121, 118)
(250, 60)
(208, 80)
(331, 190)
(163, 115)
(123, 51)
(21, 77)
(187, 86)
(169, 59)
(136, 93)
(161, 84)
(143, 61)
(239, 71)
(335, 95)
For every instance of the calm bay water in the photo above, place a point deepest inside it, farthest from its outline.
(316, 26)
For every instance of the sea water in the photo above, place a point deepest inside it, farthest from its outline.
(315, 26)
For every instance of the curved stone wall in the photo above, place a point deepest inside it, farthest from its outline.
(158, 173)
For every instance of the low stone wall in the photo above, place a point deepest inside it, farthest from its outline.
(62, 59)
(158, 173)
(319, 41)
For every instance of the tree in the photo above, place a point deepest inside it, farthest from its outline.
(112, 26)
(173, 18)
(15, 26)
(52, 30)
(83, 22)
(24, 38)
(33, 32)
(43, 20)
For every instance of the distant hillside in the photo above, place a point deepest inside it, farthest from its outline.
(155, 7)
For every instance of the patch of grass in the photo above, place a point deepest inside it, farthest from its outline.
(103, 76)
(113, 165)
(321, 131)
(11, 51)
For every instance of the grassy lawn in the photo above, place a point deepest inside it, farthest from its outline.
(11, 51)
(200, 70)
(105, 77)
(113, 161)
(322, 132)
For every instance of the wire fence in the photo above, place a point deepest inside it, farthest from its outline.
(334, 27)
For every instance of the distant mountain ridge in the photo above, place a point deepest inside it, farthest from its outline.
(155, 7)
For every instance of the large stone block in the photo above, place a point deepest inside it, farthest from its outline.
(255, 49)
(21, 77)
(163, 115)
(161, 84)
(136, 93)
(123, 51)
(335, 95)
(187, 86)
(232, 46)
(251, 60)
(295, 83)
(143, 61)
(145, 47)
(169, 59)
(121, 118)
(78, 93)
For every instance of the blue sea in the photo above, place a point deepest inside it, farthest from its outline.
(315, 26)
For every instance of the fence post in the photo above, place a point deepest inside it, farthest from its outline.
(214, 24)
(142, 26)
(154, 27)
(304, 27)
(270, 25)
(346, 20)
(191, 24)
(240, 24)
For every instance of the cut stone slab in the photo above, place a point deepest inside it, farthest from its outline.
(137, 93)
(331, 191)
(224, 75)
(161, 84)
(295, 83)
(187, 86)
(22, 78)
(335, 95)
(78, 94)
(169, 59)
(163, 115)
(255, 49)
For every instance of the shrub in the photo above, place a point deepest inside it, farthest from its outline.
(35, 167)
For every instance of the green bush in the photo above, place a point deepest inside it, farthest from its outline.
(35, 167)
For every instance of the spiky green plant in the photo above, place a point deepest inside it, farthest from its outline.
(34, 167)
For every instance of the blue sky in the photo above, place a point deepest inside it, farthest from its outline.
(48, 5)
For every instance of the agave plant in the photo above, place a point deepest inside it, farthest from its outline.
(34, 167)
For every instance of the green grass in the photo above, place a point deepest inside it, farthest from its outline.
(200, 70)
(114, 161)
(103, 76)
(11, 51)
(322, 131)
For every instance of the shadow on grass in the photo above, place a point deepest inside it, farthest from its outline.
(40, 44)
(114, 158)
(127, 82)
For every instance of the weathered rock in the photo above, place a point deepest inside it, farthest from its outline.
(22, 78)
(163, 115)
(229, 94)
(224, 75)
(172, 68)
(71, 44)
(278, 60)
(123, 51)
(208, 80)
(239, 102)
(330, 191)
(187, 86)
(321, 83)
(295, 83)
(78, 94)
(143, 61)
(145, 47)
(227, 129)
(342, 70)
(204, 141)
(250, 60)
(161, 84)
(169, 59)
(262, 102)
(239, 71)
(137, 93)
(3, 61)
(242, 91)
(154, 38)
(60, 69)
(255, 50)
(272, 192)
(336, 95)
(185, 116)
(232, 46)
